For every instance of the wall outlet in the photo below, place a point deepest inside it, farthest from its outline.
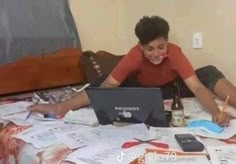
(197, 40)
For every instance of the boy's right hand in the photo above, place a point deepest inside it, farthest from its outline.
(46, 109)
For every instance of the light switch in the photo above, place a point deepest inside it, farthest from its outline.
(197, 40)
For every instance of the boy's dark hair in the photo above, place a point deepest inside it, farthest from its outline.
(151, 28)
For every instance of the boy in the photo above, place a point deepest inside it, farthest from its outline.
(158, 63)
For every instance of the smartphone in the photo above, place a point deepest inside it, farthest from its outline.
(189, 143)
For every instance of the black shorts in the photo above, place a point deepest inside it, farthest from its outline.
(208, 75)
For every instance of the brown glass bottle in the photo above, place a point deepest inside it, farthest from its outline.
(177, 108)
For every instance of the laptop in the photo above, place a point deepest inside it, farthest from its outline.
(131, 105)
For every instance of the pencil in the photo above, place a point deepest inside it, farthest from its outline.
(226, 102)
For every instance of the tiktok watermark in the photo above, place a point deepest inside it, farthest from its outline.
(142, 158)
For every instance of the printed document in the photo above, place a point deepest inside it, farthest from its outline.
(12, 108)
(49, 133)
(222, 154)
(85, 116)
(152, 158)
(227, 133)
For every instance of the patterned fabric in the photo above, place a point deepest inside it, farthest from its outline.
(53, 155)
(10, 146)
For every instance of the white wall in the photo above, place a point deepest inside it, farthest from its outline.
(109, 25)
(96, 21)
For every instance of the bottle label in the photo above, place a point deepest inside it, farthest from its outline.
(178, 118)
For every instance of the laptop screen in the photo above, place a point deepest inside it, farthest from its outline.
(132, 105)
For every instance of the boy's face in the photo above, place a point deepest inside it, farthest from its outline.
(156, 50)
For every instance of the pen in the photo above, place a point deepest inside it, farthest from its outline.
(32, 111)
(28, 115)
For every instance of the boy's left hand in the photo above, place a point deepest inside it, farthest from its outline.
(221, 118)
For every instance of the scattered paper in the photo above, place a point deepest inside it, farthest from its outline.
(227, 133)
(167, 135)
(12, 108)
(213, 142)
(20, 118)
(222, 154)
(91, 155)
(105, 153)
(75, 136)
(47, 134)
(104, 144)
(152, 158)
(85, 116)
(114, 136)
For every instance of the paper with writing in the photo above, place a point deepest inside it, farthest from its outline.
(183, 159)
(222, 154)
(167, 135)
(84, 116)
(108, 141)
(47, 134)
(227, 133)
(12, 108)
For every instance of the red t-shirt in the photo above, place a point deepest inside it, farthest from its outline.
(150, 75)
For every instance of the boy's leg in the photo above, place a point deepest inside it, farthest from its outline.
(223, 88)
(214, 80)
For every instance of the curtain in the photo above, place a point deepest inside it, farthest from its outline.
(35, 27)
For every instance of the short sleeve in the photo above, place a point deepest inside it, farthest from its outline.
(128, 64)
(182, 65)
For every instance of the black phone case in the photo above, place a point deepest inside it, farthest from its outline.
(189, 143)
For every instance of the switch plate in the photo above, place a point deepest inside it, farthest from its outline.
(197, 40)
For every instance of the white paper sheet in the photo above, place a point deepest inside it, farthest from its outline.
(90, 155)
(183, 159)
(84, 116)
(12, 108)
(104, 153)
(20, 118)
(114, 136)
(166, 135)
(104, 144)
(213, 142)
(222, 154)
(227, 133)
(46, 134)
